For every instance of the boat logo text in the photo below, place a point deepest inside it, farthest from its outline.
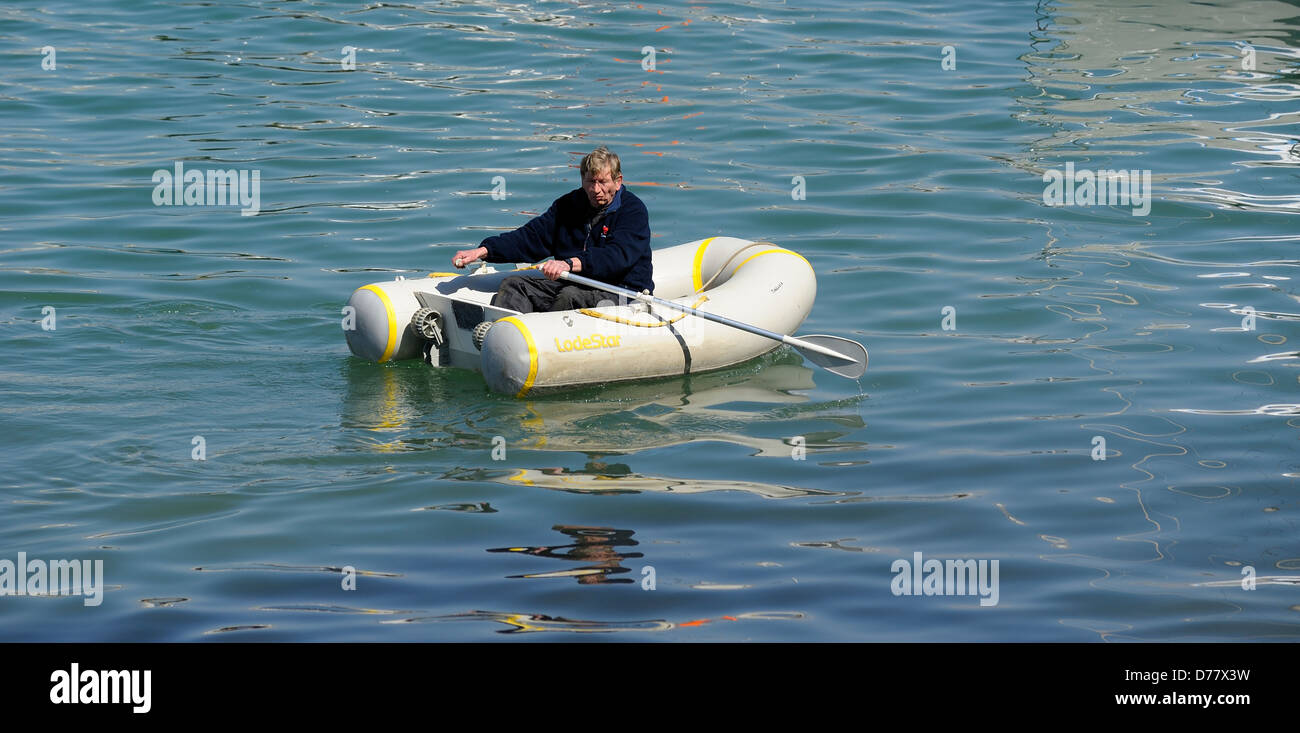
(595, 341)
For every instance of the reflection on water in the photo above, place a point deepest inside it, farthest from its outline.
(1257, 580)
(283, 568)
(593, 546)
(1113, 82)
(410, 406)
(1204, 98)
(608, 479)
(535, 622)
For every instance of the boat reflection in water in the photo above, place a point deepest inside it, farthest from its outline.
(411, 407)
(598, 477)
(593, 546)
(537, 622)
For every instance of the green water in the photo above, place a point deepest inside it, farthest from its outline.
(974, 434)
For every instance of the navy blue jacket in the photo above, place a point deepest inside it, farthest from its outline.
(616, 250)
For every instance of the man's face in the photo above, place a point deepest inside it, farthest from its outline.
(601, 186)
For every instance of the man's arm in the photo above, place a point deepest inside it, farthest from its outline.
(529, 243)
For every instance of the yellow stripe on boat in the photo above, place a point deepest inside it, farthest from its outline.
(696, 275)
(532, 353)
(770, 251)
(392, 321)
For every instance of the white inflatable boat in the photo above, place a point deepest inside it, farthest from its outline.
(447, 319)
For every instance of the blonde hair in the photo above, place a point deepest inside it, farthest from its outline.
(600, 159)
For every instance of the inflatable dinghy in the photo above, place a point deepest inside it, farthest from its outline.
(448, 320)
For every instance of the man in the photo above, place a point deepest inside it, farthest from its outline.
(600, 230)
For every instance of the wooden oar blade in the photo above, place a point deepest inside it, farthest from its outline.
(851, 361)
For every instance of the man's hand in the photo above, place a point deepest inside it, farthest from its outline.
(553, 268)
(466, 256)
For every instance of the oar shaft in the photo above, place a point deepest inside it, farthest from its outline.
(685, 308)
(783, 338)
(801, 344)
(851, 363)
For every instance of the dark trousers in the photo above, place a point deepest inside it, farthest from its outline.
(529, 294)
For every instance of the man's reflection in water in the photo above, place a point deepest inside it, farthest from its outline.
(594, 546)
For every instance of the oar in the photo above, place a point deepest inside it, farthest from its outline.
(836, 355)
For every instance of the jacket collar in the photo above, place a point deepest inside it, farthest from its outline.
(614, 203)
